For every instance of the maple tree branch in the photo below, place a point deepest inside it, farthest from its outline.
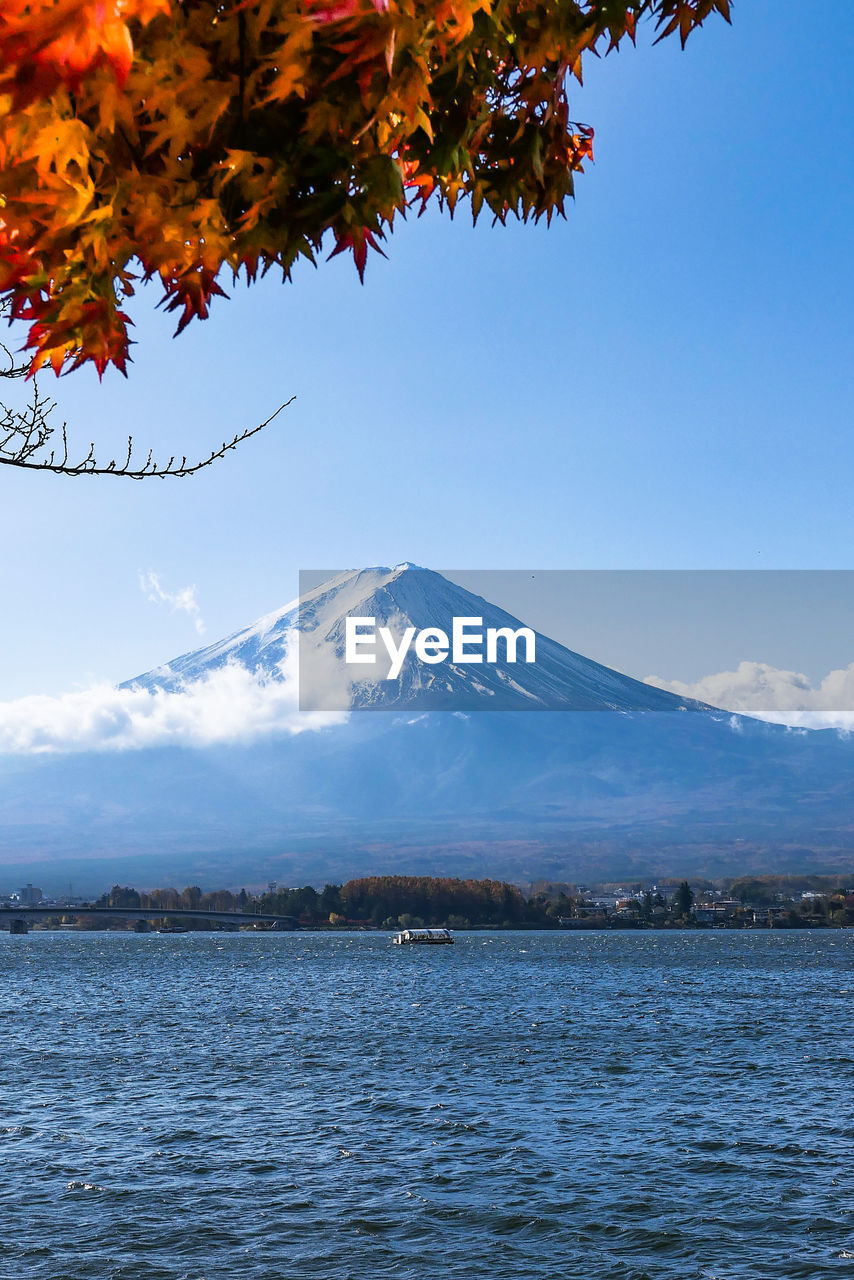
(258, 133)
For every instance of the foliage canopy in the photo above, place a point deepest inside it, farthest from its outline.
(173, 138)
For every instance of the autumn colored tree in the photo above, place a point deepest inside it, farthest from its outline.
(192, 140)
(432, 899)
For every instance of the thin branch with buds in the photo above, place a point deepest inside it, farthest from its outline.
(27, 434)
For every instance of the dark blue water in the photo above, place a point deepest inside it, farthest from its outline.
(521, 1105)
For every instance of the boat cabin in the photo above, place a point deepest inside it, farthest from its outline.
(423, 935)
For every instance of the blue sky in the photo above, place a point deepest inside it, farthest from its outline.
(663, 381)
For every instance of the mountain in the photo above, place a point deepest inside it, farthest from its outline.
(407, 595)
(623, 780)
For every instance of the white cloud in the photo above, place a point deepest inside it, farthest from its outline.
(769, 693)
(230, 704)
(181, 601)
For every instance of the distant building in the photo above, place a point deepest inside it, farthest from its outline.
(768, 915)
(716, 912)
(29, 896)
(607, 901)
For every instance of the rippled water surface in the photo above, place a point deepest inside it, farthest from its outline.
(519, 1105)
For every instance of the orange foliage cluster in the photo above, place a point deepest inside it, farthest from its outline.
(433, 898)
(175, 138)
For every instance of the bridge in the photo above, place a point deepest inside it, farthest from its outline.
(18, 919)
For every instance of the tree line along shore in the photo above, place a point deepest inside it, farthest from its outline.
(392, 902)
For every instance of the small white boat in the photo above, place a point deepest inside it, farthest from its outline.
(422, 935)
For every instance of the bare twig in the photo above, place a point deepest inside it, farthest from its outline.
(12, 368)
(26, 435)
(23, 435)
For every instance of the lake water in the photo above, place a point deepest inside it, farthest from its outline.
(520, 1105)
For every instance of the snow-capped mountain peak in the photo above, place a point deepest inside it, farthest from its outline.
(312, 629)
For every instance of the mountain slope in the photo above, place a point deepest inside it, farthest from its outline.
(403, 596)
(644, 789)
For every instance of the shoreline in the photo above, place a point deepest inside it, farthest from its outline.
(776, 927)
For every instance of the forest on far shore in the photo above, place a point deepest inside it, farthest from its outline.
(412, 901)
